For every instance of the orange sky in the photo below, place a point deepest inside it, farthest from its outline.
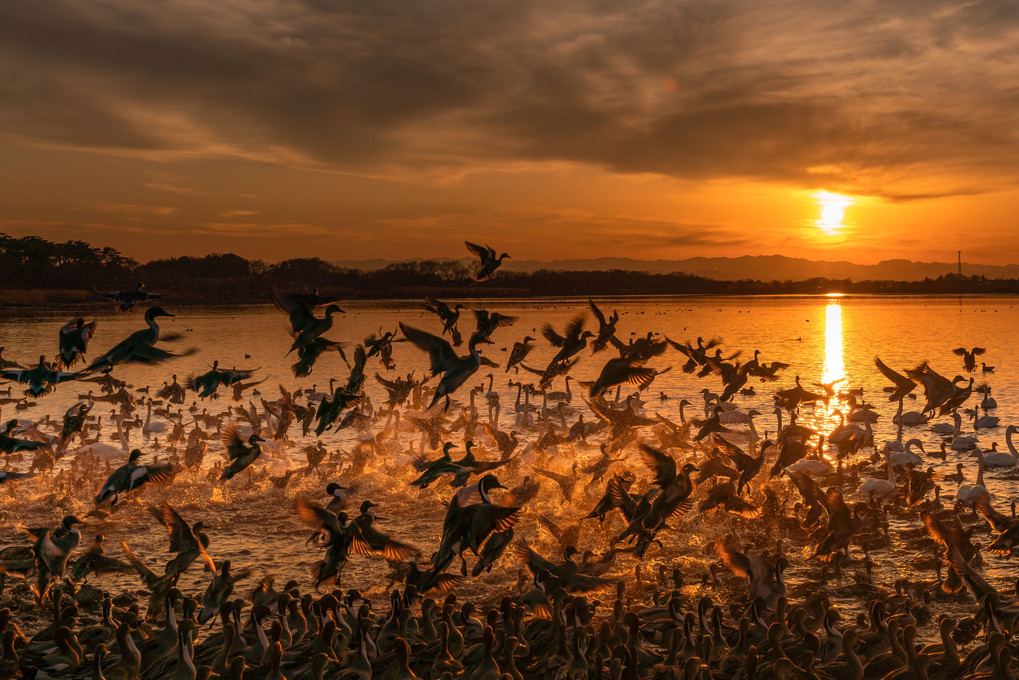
(658, 129)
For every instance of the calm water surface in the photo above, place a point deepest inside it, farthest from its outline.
(823, 338)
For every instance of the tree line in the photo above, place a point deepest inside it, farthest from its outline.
(32, 262)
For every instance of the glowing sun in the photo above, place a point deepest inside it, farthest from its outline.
(833, 210)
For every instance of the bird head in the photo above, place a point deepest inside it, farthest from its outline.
(490, 481)
(154, 312)
(135, 455)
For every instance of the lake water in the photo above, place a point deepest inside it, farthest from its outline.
(822, 338)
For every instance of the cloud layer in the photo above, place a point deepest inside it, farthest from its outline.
(856, 93)
(901, 99)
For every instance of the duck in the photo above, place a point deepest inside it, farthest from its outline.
(130, 476)
(242, 454)
(487, 260)
(127, 299)
(73, 342)
(52, 549)
(137, 348)
(41, 379)
(455, 370)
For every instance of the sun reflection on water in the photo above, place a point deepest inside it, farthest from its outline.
(834, 366)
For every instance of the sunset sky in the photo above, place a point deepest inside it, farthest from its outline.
(649, 129)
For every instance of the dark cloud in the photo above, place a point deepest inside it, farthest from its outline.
(873, 97)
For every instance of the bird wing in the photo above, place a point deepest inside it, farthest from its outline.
(181, 535)
(316, 517)
(232, 441)
(808, 488)
(975, 583)
(480, 251)
(440, 352)
(575, 326)
(735, 561)
(147, 574)
(662, 464)
(960, 351)
(997, 520)
(837, 509)
(288, 303)
(892, 375)
(533, 560)
(936, 530)
(551, 335)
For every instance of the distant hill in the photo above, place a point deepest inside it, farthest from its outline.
(760, 267)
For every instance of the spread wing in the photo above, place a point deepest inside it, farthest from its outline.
(440, 352)
(552, 336)
(480, 251)
(533, 560)
(735, 561)
(662, 464)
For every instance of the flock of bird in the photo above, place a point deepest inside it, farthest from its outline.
(604, 586)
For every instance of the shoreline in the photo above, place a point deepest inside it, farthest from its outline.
(62, 299)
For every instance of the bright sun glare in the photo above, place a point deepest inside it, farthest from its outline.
(833, 209)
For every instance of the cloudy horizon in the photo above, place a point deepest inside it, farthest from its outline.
(285, 128)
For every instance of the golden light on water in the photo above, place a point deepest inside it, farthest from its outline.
(834, 367)
(833, 211)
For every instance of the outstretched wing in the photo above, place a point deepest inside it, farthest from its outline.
(480, 251)
(551, 335)
(440, 352)
(662, 464)
(735, 561)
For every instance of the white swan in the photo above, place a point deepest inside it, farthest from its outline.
(911, 418)
(150, 427)
(864, 414)
(984, 422)
(107, 451)
(967, 493)
(964, 443)
(901, 454)
(814, 467)
(994, 458)
(881, 488)
(946, 429)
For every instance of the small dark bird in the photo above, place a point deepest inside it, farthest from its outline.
(489, 262)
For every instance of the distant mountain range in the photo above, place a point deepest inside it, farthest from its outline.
(761, 267)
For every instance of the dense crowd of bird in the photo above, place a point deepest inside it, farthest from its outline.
(818, 501)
